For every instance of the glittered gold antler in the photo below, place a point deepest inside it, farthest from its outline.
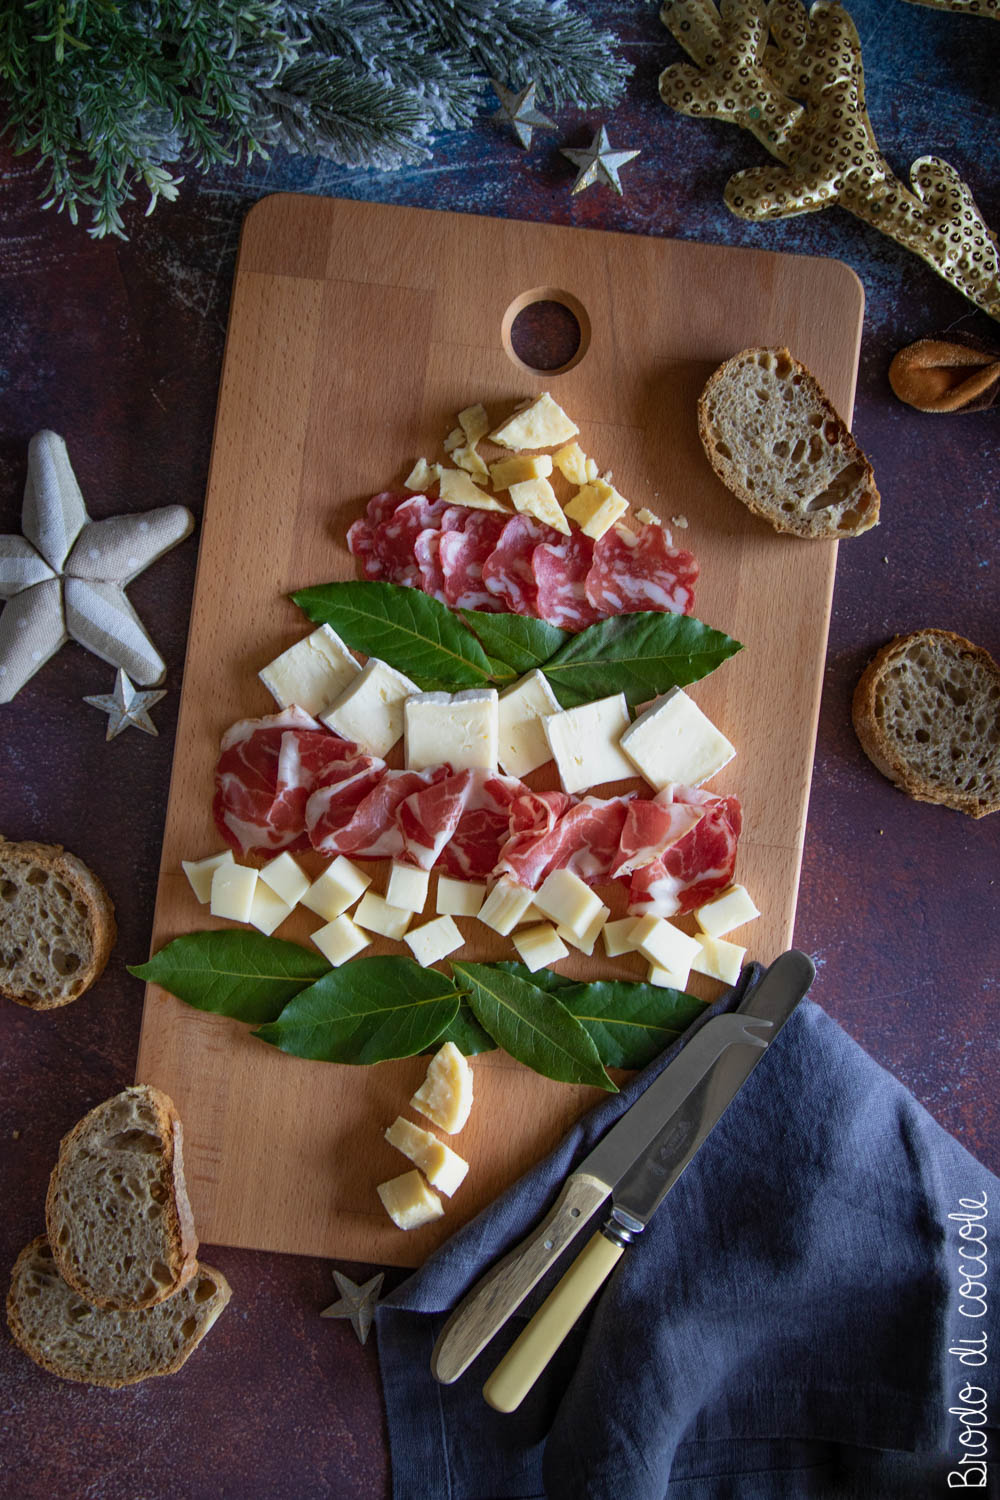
(796, 81)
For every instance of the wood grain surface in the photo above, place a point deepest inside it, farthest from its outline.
(356, 334)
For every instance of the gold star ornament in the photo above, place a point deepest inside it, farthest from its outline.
(127, 708)
(598, 163)
(356, 1302)
(519, 112)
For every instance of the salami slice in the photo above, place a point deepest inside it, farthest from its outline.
(462, 557)
(560, 569)
(361, 535)
(636, 572)
(395, 538)
(507, 571)
(697, 867)
(369, 830)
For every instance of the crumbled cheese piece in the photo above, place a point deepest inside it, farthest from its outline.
(615, 936)
(539, 424)
(445, 1096)
(731, 909)
(668, 979)
(571, 462)
(337, 888)
(455, 439)
(267, 910)
(455, 486)
(522, 746)
(646, 518)
(408, 1201)
(516, 470)
(680, 521)
(421, 477)
(459, 898)
(370, 710)
(460, 728)
(539, 947)
(663, 944)
(340, 940)
(718, 958)
(536, 497)
(474, 423)
(569, 902)
(433, 940)
(443, 1167)
(505, 905)
(592, 470)
(673, 741)
(468, 459)
(407, 887)
(375, 914)
(286, 878)
(232, 892)
(596, 507)
(312, 673)
(584, 743)
(584, 941)
(200, 871)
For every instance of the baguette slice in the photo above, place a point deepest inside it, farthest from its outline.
(927, 712)
(57, 925)
(117, 1211)
(774, 439)
(72, 1339)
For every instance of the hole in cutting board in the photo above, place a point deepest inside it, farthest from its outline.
(546, 331)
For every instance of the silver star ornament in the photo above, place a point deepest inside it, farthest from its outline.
(518, 111)
(598, 163)
(126, 708)
(356, 1302)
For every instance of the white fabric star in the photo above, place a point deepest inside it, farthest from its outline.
(126, 708)
(598, 163)
(66, 575)
(518, 111)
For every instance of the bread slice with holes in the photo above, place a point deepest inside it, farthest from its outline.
(71, 1338)
(57, 925)
(927, 712)
(774, 438)
(117, 1211)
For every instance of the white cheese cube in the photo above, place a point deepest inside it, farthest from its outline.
(267, 910)
(455, 486)
(571, 462)
(673, 741)
(420, 477)
(718, 958)
(505, 905)
(232, 892)
(409, 1202)
(312, 673)
(200, 871)
(433, 940)
(370, 710)
(732, 908)
(286, 878)
(584, 743)
(340, 940)
(521, 737)
(460, 728)
(539, 424)
(443, 1167)
(596, 507)
(615, 936)
(337, 888)
(664, 944)
(474, 423)
(570, 903)
(459, 898)
(584, 941)
(407, 887)
(539, 947)
(516, 470)
(668, 979)
(376, 915)
(445, 1096)
(536, 497)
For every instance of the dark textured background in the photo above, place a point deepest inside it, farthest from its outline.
(119, 347)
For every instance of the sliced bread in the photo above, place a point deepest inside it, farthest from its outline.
(117, 1211)
(774, 439)
(57, 925)
(71, 1338)
(927, 712)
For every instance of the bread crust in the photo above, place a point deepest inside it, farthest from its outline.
(878, 746)
(84, 886)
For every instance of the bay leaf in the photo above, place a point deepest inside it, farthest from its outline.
(466, 1033)
(640, 655)
(241, 974)
(630, 1023)
(518, 641)
(545, 979)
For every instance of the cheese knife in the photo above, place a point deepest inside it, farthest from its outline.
(635, 1163)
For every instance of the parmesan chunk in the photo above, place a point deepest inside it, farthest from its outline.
(420, 477)
(540, 424)
(474, 423)
(445, 1096)
(536, 497)
(408, 1201)
(455, 486)
(516, 470)
(468, 459)
(596, 507)
(571, 462)
(443, 1167)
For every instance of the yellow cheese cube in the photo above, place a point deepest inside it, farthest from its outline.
(569, 902)
(718, 958)
(459, 898)
(536, 497)
(732, 908)
(433, 940)
(664, 944)
(337, 888)
(340, 940)
(376, 915)
(516, 470)
(571, 462)
(505, 905)
(267, 910)
(615, 936)
(200, 871)
(445, 1096)
(584, 941)
(539, 424)
(232, 892)
(443, 1167)
(286, 878)
(408, 1201)
(539, 947)
(455, 486)
(668, 979)
(596, 507)
(407, 887)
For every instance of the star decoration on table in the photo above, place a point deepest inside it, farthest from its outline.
(356, 1302)
(65, 576)
(126, 708)
(598, 163)
(518, 111)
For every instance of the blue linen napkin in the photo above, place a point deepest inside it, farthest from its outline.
(806, 1315)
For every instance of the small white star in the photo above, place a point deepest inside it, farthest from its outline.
(598, 163)
(126, 707)
(356, 1302)
(518, 111)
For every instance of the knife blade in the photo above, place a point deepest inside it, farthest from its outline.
(497, 1296)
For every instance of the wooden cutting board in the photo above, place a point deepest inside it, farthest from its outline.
(357, 332)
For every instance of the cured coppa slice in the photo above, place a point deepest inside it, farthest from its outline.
(371, 831)
(636, 572)
(431, 819)
(361, 535)
(582, 838)
(650, 829)
(533, 816)
(462, 555)
(697, 867)
(394, 539)
(507, 571)
(561, 569)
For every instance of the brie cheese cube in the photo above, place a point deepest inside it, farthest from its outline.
(538, 424)
(337, 888)
(460, 728)
(232, 892)
(443, 1167)
(718, 958)
(200, 871)
(570, 903)
(267, 910)
(376, 915)
(459, 898)
(584, 742)
(516, 470)
(522, 743)
(474, 423)
(584, 942)
(286, 878)
(408, 1201)
(445, 1096)
(673, 741)
(420, 477)
(455, 486)
(536, 497)
(667, 979)
(505, 905)
(370, 710)
(539, 947)
(596, 507)
(571, 462)
(732, 908)
(433, 940)
(312, 673)
(663, 944)
(615, 936)
(407, 887)
(340, 940)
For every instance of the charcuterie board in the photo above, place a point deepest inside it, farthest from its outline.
(356, 334)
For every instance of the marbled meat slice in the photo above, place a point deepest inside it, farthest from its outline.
(533, 816)
(395, 538)
(507, 571)
(650, 829)
(697, 867)
(483, 826)
(361, 535)
(427, 550)
(633, 572)
(462, 556)
(561, 569)
(582, 838)
(371, 830)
